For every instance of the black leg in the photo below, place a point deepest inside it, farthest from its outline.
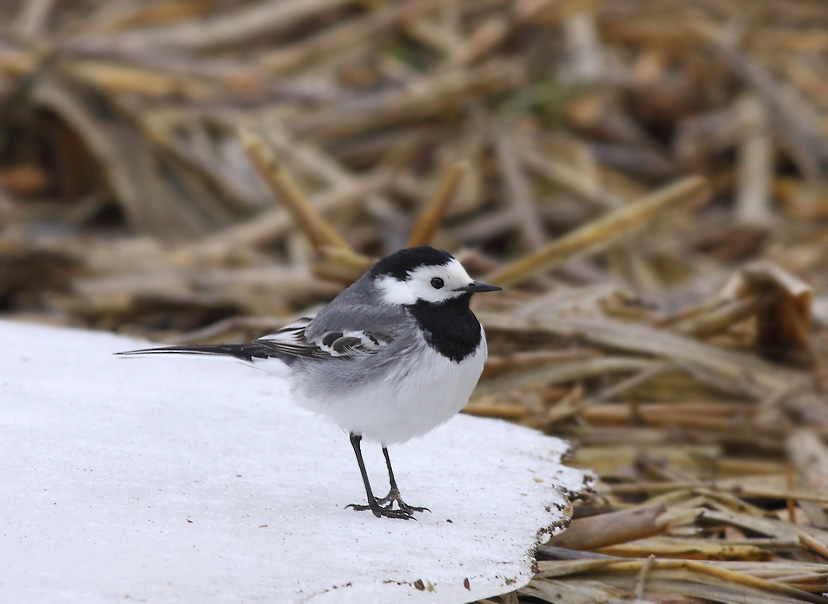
(373, 504)
(356, 439)
(394, 493)
(390, 471)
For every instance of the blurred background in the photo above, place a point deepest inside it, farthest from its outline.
(645, 178)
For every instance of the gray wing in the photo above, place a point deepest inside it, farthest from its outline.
(387, 336)
(339, 331)
(347, 329)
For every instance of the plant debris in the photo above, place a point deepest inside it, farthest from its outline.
(646, 179)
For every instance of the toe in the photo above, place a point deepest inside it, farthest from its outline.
(411, 508)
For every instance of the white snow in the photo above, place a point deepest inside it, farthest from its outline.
(189, 479)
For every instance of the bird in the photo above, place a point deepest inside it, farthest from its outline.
(394, 355)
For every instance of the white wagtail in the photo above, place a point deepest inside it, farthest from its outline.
(393, 356)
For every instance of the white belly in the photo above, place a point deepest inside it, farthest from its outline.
(393, 411)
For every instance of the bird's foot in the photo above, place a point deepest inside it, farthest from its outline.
(380, 511)
(394, 496)
(385, 507)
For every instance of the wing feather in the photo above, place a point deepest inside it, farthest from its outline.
(347, 344)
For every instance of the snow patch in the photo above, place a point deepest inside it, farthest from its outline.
(181, 479)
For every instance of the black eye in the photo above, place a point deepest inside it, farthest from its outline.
(437, 283)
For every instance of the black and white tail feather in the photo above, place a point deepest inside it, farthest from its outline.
(288, 344)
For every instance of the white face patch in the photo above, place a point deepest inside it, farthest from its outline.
(418, 285)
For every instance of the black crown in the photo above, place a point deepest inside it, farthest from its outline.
(400, 264)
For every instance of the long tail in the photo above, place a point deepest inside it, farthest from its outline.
(245, 352)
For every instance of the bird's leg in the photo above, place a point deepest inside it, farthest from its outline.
(373, 504)
(394, 493)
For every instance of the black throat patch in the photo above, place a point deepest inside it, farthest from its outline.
(450, 327)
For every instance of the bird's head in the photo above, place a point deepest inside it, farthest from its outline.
(424, 274)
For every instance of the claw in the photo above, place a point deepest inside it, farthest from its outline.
(380, 511)
(384, 507)
(394, 495)
(410, 508)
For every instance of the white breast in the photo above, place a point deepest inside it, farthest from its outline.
(430, 391)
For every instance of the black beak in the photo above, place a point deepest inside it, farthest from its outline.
(475, 287)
